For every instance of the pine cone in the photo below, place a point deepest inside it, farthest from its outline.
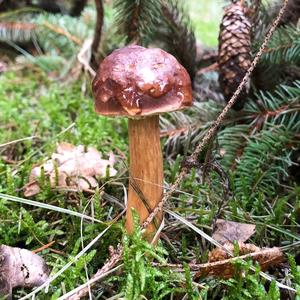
(234, 52)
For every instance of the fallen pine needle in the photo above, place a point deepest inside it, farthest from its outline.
(43, 247)
(62, 31)
(17, 141)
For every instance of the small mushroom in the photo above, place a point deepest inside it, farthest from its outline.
(140, 84)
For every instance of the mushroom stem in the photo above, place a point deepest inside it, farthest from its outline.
(146, 171)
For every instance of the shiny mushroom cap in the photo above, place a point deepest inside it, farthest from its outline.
(135, 81)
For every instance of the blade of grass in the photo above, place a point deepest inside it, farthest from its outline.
(19, 140)
(43, 146)
(196, 229)
(48, 206)
(273, 227)
(88, 283)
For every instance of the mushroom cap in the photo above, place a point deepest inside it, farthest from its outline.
(135, 81)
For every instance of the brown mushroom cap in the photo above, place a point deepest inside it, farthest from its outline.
(135, 81)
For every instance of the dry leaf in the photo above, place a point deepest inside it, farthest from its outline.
(225, 268)
(220, 254)
(72, 167)
(229, 231)
(20, 268)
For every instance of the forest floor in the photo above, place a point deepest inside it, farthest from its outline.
(41, 107)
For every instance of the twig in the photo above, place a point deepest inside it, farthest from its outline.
(62, 31)
(84, 56)
(210, 55)
(210, 68)
(225, 268)
(31, 26)
(172, 132)
(98, 32)
(43, 247)
(57, 252)
(18, 25)
(281, 47)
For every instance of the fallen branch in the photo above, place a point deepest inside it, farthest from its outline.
(225, 268)
(210, 68)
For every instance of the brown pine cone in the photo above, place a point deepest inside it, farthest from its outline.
(234, 52)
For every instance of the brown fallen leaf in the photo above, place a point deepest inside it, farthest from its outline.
(225, 268)
(220, 254)
(20, 268)
(229, 231)
(71, 167)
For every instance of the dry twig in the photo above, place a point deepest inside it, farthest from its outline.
(210, 68)
(43, 247)
(62, 31)
(98, 32)
(225, 268)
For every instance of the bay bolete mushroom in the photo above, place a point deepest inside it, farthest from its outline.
(140, 84)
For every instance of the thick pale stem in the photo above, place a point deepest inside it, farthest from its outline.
(146, 171)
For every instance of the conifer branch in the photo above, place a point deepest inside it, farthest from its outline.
(177, 33)
(179, 36)
(284, 48)
(136, 18)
